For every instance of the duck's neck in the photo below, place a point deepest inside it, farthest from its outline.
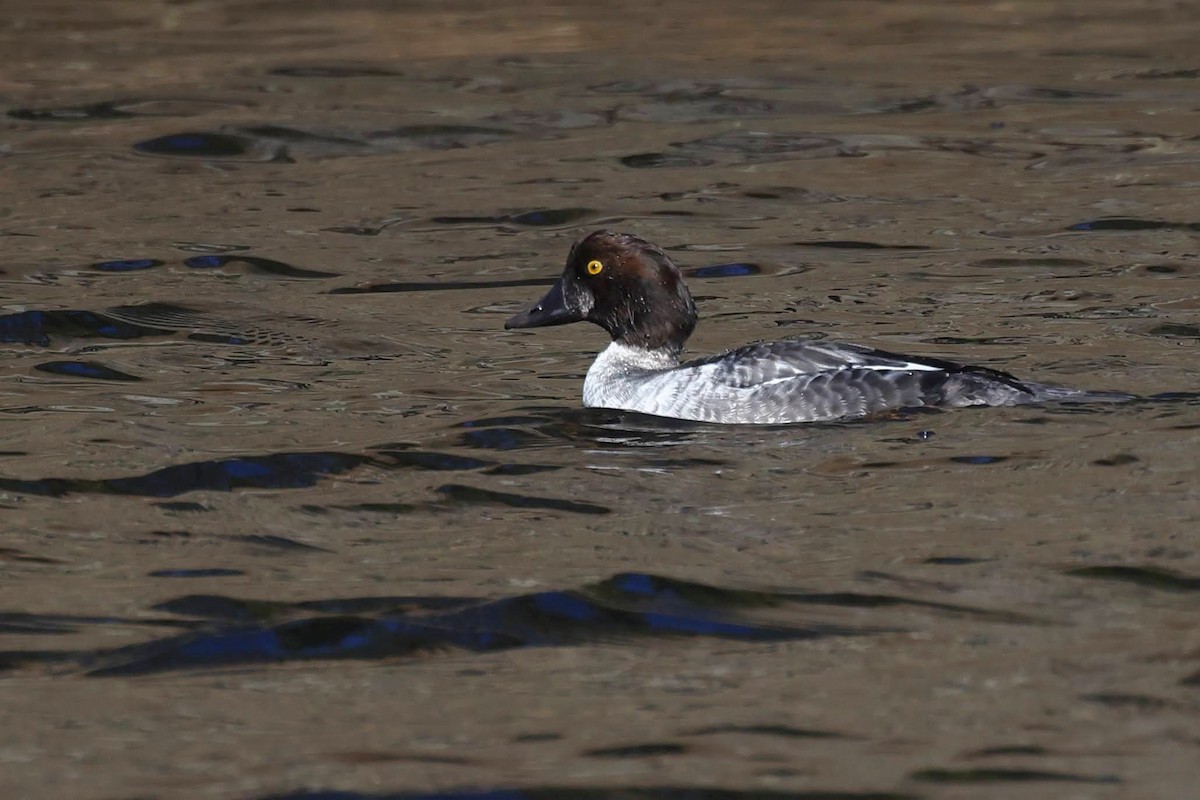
(654, 320)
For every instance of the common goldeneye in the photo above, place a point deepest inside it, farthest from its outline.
(633, 290)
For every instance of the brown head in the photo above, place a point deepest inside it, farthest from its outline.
(624, 284)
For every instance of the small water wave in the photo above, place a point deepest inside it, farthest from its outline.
(986, 775)
(1145, 576)
(598, 793)
(91, 370)
(279, 143)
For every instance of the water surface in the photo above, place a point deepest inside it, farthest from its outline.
(289, 514)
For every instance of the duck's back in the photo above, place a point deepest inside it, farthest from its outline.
(809, 381)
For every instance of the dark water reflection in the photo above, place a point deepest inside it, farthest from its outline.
(275, 470)
(625, 607)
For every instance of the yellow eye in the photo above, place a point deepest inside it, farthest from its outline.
(594, 267)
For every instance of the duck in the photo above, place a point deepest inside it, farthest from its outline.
(634, 291)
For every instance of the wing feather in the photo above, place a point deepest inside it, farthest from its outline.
(772, 362)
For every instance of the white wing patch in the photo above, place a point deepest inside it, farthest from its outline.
(910, 366)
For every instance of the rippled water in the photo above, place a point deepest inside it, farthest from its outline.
(289, 514)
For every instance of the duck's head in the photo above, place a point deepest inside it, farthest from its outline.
(624, 284)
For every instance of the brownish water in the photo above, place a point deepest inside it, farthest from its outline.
(338, 530)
